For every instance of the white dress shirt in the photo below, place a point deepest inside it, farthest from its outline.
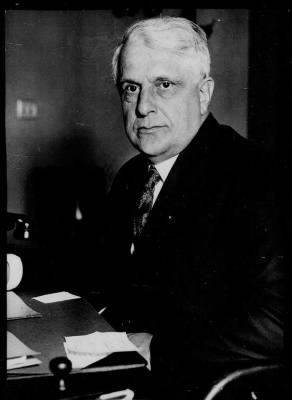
(163, 169)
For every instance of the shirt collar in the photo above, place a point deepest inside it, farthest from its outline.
(165, 166)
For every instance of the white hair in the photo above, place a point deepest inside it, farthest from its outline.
(188, 35)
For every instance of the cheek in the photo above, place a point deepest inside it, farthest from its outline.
(178, 114)
(185, 117)
(128, 116)
(191, 110)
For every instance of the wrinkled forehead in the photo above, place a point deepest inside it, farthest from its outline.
(177, 39)
(165, 48)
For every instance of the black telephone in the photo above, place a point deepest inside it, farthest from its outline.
(20, 223)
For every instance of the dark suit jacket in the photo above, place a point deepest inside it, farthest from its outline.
(207, 273)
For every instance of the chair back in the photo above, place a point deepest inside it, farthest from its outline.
(254, 383)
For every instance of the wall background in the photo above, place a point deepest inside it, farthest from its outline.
(61, 61)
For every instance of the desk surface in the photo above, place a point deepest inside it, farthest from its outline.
(46, 334)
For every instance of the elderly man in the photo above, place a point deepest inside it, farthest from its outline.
(193, 254)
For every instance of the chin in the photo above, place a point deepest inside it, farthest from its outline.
(150, 148)
(150, 152)
(155, 156)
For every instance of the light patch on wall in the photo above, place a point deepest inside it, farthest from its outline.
(26, 109)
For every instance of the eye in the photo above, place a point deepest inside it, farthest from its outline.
(130, 89)
(164, 85)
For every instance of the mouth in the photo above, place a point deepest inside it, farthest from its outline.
(150, 129)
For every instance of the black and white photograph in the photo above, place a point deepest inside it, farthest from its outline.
(146, 205)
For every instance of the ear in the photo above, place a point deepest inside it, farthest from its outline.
(206, 91)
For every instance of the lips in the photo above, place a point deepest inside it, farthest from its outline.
(148, 129)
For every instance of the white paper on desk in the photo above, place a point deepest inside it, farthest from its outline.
(18, 354)
(21, 362)
(55, 297)
(17, 308)
(16, 348)
(87, 349)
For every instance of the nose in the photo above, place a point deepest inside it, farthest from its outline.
(146, 103)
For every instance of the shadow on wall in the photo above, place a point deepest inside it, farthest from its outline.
(68, 199)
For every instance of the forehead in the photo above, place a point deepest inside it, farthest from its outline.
(142, 56)
(173, 37)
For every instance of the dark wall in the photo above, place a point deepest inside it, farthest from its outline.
(269, 109)
(267, 76)
(61, 61)
(229, 48)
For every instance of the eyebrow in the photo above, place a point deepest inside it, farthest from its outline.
(158, 78)
(163, 78)
(125, 80)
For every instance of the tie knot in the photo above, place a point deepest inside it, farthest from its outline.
(153, 176)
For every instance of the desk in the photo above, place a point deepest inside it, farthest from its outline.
(46, 335)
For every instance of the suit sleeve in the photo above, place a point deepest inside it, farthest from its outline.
(247, 324)
(255, 331)
(258, 332)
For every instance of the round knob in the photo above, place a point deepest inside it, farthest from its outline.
(61, 368)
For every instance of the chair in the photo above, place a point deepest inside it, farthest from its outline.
(254, 383)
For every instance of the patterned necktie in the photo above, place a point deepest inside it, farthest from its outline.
(146, 200)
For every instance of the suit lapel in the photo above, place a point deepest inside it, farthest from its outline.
(186, 180)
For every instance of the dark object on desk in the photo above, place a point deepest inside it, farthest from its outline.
(20, 223)
(61, 368)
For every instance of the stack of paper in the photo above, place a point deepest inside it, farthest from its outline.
(18, 354)
(87, 349)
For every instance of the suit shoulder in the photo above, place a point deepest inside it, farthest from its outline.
(230, 139)
(240, 149)
(128, 172)
(130, 166)
(223, 139)
(249, 162)
(232, 155)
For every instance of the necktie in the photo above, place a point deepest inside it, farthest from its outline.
(146, 200)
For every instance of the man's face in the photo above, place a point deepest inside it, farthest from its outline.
(160, 94)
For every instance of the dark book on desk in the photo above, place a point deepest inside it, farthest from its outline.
(118, 361)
